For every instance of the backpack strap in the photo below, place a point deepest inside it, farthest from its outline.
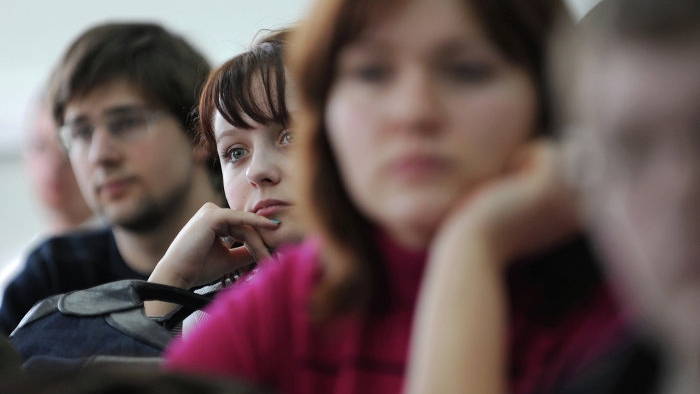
(124, 295)
(39, 310)
(136, 325)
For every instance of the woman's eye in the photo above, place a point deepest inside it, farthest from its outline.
(287, 137)
(372, 73)
(235, 154)
(468, 71)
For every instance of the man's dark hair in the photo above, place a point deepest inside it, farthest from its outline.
(168, 71)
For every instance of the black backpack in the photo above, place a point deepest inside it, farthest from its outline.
(74, 329)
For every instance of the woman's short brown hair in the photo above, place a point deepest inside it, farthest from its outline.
(251, 84)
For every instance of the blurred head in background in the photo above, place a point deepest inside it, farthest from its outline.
(49, 172)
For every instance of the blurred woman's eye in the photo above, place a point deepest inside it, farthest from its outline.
(286, 137)
(372, 72)
(365, 62)
(235, 154)
(468, 72)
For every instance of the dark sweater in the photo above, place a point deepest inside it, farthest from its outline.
(635, 366)
(74, 261)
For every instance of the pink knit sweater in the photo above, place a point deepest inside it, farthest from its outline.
(260, 331)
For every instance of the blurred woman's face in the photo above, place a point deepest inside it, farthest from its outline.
(424, 108)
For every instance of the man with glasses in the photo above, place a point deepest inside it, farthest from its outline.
(123, 94)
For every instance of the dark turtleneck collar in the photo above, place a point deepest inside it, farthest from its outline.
(404, 267)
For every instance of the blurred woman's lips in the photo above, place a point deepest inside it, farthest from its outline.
(270, 207)
(417, 167)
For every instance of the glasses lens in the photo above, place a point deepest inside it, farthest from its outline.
(76, 134)
(128, 124)
(122, 126)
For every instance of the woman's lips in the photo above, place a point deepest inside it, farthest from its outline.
(269, 208)
(416, 167)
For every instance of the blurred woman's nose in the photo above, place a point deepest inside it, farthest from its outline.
(414, 102)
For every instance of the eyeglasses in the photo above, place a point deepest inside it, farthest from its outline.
(123, 125)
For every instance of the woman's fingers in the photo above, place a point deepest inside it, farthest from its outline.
(523, 211)
(224, 220)
(253, 245)
(538, 205)
(199, 253)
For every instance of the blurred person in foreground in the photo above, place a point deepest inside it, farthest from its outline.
(416, 122)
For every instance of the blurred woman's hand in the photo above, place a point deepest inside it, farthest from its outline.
(527, 210)
(458, 342)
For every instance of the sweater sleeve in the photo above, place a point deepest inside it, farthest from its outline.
(32, 284)
(246, 333)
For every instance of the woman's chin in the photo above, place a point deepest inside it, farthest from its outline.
(274, 239)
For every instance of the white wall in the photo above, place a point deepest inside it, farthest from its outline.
(33, 33)
(580, 7)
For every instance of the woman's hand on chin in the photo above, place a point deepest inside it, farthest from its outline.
(525, 211)
(201, 252)
(461, 317)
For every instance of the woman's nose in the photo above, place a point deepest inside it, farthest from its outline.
(264, 168)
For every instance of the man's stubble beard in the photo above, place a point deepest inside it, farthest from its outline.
(150, 213)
